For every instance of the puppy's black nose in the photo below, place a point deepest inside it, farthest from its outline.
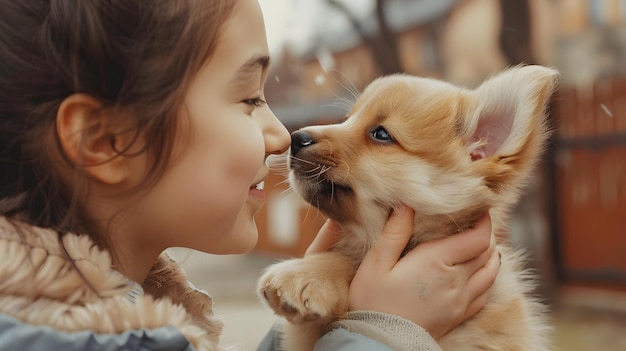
(300, 139)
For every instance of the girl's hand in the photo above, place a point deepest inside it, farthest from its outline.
(438, 285)
(326, 238)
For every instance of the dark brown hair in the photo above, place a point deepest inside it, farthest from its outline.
(131, 55)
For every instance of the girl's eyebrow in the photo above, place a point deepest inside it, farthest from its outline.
(251, 68)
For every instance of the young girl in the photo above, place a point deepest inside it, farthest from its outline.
(127, 127)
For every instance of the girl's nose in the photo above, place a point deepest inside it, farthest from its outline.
(276, 136)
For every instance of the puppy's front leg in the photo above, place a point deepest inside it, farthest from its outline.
(309, 289)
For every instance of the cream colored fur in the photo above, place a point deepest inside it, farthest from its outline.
(455, 154)
(39, 286)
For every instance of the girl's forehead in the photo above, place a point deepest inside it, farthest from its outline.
(240, 58)
(242, 45)
(246, 20)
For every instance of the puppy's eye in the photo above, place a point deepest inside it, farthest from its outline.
(381, 134)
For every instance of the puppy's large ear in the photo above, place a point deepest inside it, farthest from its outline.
(504, 128)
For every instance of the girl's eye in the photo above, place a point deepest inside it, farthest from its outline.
(254, 102)
(381, 134)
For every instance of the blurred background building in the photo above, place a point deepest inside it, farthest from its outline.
(572, 219)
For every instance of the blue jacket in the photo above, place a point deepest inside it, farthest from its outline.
(15, 335)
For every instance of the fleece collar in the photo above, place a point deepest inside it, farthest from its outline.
(39, 285)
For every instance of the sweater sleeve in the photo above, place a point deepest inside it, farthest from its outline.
(394, 332)
(338, 339)
(366, 330)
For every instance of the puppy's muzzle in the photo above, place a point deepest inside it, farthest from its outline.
(299, 140)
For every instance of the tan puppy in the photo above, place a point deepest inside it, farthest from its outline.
(447, 152)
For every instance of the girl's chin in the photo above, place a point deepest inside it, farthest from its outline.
(240, 238)
(241, 246)
(245, 239)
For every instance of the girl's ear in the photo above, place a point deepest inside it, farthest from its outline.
(506, 124)
(88, 139)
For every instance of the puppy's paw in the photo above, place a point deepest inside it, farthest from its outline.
(302, 295)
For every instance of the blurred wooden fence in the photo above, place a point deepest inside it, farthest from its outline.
(590, 184)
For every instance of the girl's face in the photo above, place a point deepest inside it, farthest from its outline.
(207, 198)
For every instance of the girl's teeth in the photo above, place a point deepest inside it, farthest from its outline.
(260, 185)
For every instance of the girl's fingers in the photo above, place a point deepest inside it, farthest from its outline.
(326, 238)
(469, 244)
(484, 277)
(476, 263)
(475, 306)
(396, 234)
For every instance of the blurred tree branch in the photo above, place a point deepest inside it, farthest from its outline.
(383, 45)
(515, 41)
(515, 32)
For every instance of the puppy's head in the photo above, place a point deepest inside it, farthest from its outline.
(441, 149)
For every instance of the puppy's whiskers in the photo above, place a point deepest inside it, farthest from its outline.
(347, 165)
(315, 169)
(308, 210)
(278, 164)
(341, 103)
(284, 172)
(325, 168)
(458, 227)
(303, 160)
(347, 84)
(289, 192)
(318, 171)
(284, 181)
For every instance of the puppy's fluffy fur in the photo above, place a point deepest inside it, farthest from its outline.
(450, 154)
